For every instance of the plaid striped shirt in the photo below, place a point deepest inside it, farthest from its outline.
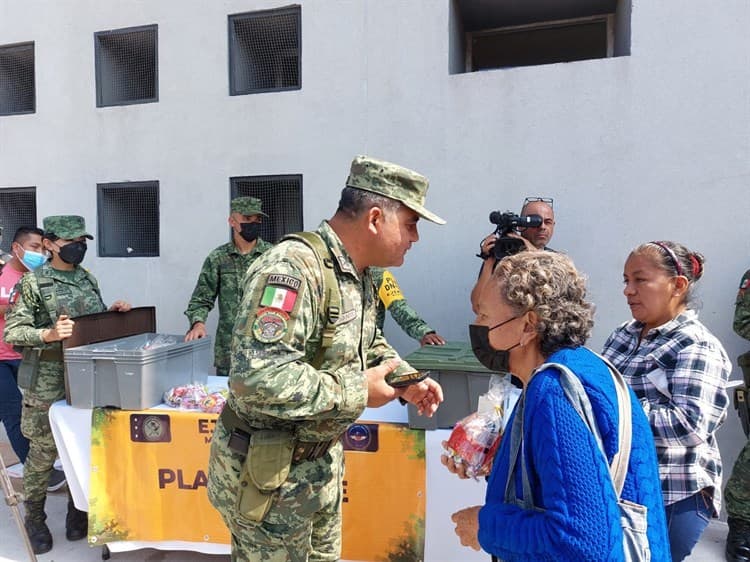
(678, 372)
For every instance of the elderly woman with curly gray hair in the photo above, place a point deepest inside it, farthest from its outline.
(550, 495)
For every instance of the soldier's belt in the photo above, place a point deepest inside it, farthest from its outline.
(51, 355)
(311, 450)
(241, 434)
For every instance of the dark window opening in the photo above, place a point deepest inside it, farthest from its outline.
(486, 36)
(17, 208)
(17, 82)
(265, 51)
(282, 202)
(128, 219)
(127, 68)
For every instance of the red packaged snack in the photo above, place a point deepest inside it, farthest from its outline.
(475, 439)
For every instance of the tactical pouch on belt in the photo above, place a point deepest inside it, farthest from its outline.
(265, 469)
(29, 368)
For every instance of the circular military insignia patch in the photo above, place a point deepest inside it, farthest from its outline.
(270, 325)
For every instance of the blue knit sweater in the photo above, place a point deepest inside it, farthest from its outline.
(577, 518)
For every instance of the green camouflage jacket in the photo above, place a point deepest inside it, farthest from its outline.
(391, 298)
(742, 308)
(278, 332)
(76, 293)
(221, 276)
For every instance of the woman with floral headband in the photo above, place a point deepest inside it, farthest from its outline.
(677, 369)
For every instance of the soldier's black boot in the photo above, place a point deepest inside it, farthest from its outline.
(76, 522)
(738, 541)
(36, 528)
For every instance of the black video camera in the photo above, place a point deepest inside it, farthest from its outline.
(508, 222)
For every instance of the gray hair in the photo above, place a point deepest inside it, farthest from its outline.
(549, 284)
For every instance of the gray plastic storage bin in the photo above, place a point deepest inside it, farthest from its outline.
(462, 377)
(128, 373)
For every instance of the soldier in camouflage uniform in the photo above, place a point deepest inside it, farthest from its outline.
(737, 491)
(39, 318)
(304, 368)
(221, 276)
(392, 299)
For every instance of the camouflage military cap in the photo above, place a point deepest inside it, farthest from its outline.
(393, 181)
(66, 227)
(247, 206)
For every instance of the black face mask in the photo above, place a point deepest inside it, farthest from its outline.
(493, 359)
(73, 253)
(249, 231)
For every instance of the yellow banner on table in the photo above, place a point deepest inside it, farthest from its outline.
(148, 483)
(384, 493)
(148, 477)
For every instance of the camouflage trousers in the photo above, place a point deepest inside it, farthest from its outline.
(737, 491)
(42, 450)
(304, 520)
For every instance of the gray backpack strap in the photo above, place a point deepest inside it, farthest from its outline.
(578, 398)
(331, 304)
(633, 516)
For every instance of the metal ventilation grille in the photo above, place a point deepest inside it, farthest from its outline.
(126, 66)
(282, 202)
(17, 88)
(17, 208)
(264, 51)
(128, 214)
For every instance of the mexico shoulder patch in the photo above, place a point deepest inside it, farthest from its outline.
(280, 292)
(271, 324)
(389, 291)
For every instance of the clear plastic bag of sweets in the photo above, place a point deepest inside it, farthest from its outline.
(475, 439)
(195, 397)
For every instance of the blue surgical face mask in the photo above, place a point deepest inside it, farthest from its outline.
(32, 260)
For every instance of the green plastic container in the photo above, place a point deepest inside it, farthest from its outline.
(462, 377)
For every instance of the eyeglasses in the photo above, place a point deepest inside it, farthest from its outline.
(547, 200)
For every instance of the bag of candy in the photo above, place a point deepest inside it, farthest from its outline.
(475, 439)
(196, 397)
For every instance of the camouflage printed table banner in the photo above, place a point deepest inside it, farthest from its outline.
(148, 483)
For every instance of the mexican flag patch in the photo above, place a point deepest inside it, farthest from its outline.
(278, 297)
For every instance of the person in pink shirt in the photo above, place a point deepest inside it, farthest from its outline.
(27, 253)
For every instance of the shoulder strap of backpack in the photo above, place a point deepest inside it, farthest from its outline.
(49, 296)
(578, 398)
(331, 304)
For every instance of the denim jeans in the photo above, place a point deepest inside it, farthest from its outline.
(10, 408)
(686, 521)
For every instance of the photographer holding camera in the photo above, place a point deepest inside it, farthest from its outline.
(533, 230)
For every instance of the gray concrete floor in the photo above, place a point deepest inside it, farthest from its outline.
(710, 548)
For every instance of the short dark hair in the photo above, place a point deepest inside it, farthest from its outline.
(356, 201)
(23, 232)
